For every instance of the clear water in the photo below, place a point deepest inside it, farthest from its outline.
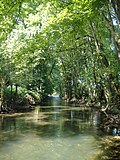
(51, 132)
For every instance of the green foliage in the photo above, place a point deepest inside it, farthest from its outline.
(70, 47)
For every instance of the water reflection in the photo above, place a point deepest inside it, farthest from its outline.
(58, 130)
(49, 121)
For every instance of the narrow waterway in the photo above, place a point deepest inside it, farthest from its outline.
(53, 131)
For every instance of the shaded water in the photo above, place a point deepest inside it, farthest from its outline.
(53, 131)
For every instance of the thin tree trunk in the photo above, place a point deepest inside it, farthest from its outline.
(2, 94)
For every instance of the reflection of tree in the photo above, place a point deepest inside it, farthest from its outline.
(74, 122)
(7, 128)
(36, 114)
(53, 121)
(8, 124)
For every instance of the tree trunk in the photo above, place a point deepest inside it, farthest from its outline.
(2, 94)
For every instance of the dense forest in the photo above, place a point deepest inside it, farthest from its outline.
(65, 47)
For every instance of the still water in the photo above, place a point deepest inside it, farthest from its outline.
(53, 131)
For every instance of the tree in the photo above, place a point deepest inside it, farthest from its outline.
(68, 46)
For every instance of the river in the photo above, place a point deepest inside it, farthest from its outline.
(53, 131)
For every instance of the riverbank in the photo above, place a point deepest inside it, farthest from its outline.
(17, 109)
(110, 148)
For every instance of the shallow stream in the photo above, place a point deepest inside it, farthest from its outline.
(53, 131)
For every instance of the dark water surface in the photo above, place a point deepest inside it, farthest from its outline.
(53, 131)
